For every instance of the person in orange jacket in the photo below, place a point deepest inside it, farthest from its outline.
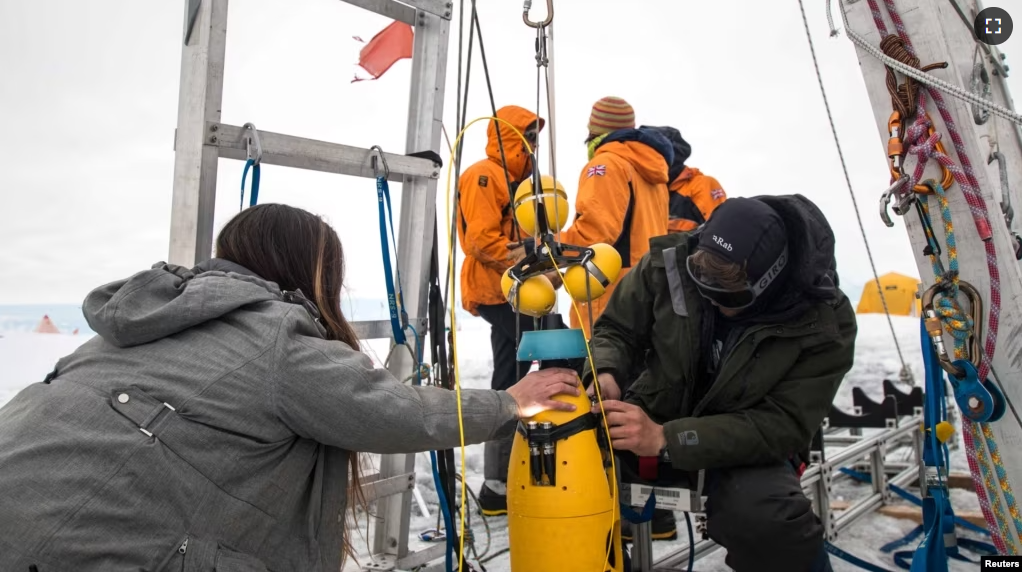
(486, 226)
(693, 195)
(622, 195)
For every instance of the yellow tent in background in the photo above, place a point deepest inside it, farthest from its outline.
(899, 292)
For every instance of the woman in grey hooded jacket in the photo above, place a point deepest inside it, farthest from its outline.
(212, 423)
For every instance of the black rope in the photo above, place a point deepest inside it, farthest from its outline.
(515, 235)
(438, 351)
(459, 126)
(493, 107)
(445, 461)
(475, 28)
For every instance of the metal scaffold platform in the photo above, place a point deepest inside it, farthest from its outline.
(202, 139)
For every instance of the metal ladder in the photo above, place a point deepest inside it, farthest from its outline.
(201, 139)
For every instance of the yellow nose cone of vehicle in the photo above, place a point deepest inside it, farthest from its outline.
(555, 201)
(535, 296)
(606, 262)
(562, 522)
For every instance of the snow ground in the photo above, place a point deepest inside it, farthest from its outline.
(26, 358)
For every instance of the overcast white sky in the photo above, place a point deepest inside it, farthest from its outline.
(88, 107)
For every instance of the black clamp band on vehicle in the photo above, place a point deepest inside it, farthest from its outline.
(542, 439)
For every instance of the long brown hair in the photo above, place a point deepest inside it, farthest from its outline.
(300, 252)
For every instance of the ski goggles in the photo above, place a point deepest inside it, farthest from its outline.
(734, 299)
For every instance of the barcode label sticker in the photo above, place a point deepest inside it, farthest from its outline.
(672, 499)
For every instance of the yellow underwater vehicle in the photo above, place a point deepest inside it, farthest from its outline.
(562, 499)
(562, 502)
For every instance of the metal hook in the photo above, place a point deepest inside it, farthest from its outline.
(376, 164)
(885, 201)
(251, 136)
(979, 73)
(1006, 208)
(933, 326)
(549, 14)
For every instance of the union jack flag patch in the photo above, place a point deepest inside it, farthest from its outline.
(717, 194)
(600, 170)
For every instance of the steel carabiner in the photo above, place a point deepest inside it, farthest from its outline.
(934, 328)
(253, 148)
(979, 400)
(377, 157)
(979, 74)
(1002, 169)
(549, 16)
(885, 201)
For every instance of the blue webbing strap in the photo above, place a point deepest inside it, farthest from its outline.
(931, 555)
(254, 197)
(911, 498)
(938, 516)
(647, 510)
(846, 556)
(398, 316)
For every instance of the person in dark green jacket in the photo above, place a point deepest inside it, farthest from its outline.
(728, 345)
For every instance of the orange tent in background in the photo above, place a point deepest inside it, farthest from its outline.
(46, 326)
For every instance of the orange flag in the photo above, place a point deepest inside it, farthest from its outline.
(393, 43)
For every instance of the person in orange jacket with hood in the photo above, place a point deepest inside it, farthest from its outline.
(486, 226)
(693, 195)
(622, 195)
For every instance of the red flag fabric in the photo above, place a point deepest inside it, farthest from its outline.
(393, 43)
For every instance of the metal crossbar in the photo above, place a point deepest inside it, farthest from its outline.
(313, 155)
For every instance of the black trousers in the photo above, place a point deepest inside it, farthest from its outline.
(507, 371)
(764, 520)
(504, 338)
(758, 513)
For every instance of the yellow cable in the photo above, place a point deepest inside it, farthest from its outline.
(454, 330)
(599, 400)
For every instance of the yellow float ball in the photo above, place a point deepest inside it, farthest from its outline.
(535, 295)
(555, 200)
(606, 260)
(944, 431)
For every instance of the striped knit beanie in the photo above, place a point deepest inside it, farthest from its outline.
(611, 114)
